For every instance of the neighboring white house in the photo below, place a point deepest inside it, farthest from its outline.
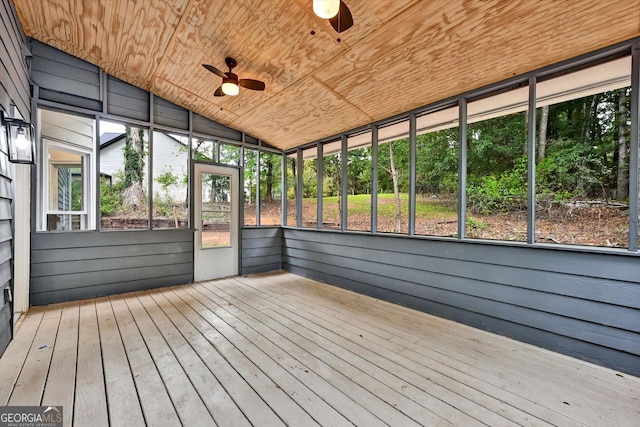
(169, 155)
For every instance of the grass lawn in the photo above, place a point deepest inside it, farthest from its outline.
(360, 204)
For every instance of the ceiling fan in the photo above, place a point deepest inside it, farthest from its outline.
(336, 11)
(230, 81)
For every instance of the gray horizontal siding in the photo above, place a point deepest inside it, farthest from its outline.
(14, 76)
(76, 265)
(126, 100)
(209, 127)
(168, 114)
(586, 305)
(261, 250)
(64, 78)
(14, 90)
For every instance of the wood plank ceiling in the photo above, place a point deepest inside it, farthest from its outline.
(399, 55)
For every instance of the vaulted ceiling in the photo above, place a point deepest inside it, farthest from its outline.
(399, 55)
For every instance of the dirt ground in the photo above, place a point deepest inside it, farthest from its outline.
(602, 225)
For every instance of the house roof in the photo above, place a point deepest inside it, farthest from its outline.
(109, 138)
(398, 56)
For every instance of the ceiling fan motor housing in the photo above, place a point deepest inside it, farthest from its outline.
(231, 63)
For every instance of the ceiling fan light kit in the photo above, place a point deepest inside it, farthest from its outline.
(230, 81)
(230, 86)
(326, 9)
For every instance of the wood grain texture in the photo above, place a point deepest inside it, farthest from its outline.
(279, 349)
(398, 56)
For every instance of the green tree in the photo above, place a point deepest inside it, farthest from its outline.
(359, 171)
(134, 163)
(437, 162)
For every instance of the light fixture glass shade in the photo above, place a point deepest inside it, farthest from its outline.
(326, 9)
(230, 87)
(19, 141)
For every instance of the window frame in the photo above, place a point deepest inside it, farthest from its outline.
(87, 214)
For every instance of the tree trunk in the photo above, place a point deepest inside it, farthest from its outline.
(542, 137)
(589, 113)
(621, 181)
(268, 198)
(133, 196)
(396, 189)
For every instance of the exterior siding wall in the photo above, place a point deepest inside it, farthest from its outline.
(14, 74)
(126, 100)
(6, 250)
(261, 250)
(64, 78)
(77, 265)
(14, 90)
(582, 304)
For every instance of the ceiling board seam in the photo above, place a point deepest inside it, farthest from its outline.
(339, 96)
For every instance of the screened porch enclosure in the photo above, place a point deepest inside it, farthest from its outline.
(484, 229)
(436, 223)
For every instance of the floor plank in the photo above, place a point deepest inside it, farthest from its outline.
(30, 385)
(405, 324)
(355, 380)
(280, 401)
(60, 387)
(278, 349)
(155, 401)
(303, 366)
(12, 361)
(460, 382)
(90, 405)
(221, 406)
(412, 383)
(188, 404)
(122, 396)
(248, 400)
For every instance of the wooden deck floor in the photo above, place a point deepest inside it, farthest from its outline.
(279, 349)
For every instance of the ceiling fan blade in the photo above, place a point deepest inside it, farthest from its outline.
(218, 92)
(343, 20)
(214, 70)
(252, 84)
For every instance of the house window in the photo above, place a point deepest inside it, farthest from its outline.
(270, 188)
(170, 181)
(437, 146)
(583, 156)
(124, 157)
(250, 186)
(292, 184)
(310, 187)
(359, 173)
(393, 178)
(497, 166)
(332, 185)
(67, 187)
(229, 154)
(67, 180)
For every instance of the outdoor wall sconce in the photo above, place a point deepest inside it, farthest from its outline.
(20, 140)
